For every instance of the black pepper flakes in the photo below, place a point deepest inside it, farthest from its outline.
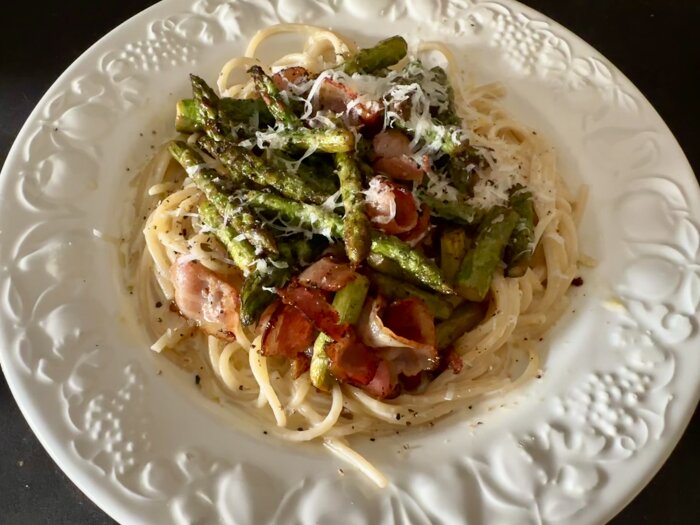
(578, 281)
(158, 304)
(197, 379)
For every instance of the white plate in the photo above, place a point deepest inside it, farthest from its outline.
(620, 380)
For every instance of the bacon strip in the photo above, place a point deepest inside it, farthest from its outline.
(290, 75)
(419, 231)
(337, 97)
(384, 383)
(393, 156)
(313, 304)
(300, 364)
(410, 319)
(205, 297)
(454, 361)
(404, 334)
(390, 206)
(327, 275)
(352, 362)
(287, 331)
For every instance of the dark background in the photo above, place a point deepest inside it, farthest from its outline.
(654, 42)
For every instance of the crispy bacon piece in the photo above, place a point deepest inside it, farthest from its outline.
(411, 382)
(327, 275)
(403, 333)
(290, 75)
(334, 96)
(384, 383)
(205, 297)
(390, 206)
(411, 319)
(454, 361)
(286, 331)
(351, 361)
(300, 364)
(313, 304)
(392, 149)
(337, 97)
(419, 231)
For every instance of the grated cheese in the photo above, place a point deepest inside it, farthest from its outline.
(382, 197)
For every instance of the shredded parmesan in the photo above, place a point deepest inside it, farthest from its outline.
(382, 198)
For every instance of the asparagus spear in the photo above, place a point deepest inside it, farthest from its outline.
(327, 140)
(461, 169)
(314, 217)
(242, 162)
(207, 102)
(480, 262)
(357, 230)
(464, 318)
(315, 172)
(321, 220)
(348, 302)
(302, 251)
(214, 115)
(267, 90)
(240, 250)
(446, 137)
(389, 267)
(208, 182)
(397, 289)
(254, 298)
(257, 292)
(411, 261)
(521, 244)
(449, 114)
(459, 211)
(231, 110)
(453, 246)
(386, 53)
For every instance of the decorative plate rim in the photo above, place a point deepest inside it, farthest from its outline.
(116, 506)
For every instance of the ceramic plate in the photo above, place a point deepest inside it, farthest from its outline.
(619, 380)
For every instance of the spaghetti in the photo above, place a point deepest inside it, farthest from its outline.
(492, 356)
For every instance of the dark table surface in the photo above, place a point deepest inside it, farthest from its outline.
(654, 42)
